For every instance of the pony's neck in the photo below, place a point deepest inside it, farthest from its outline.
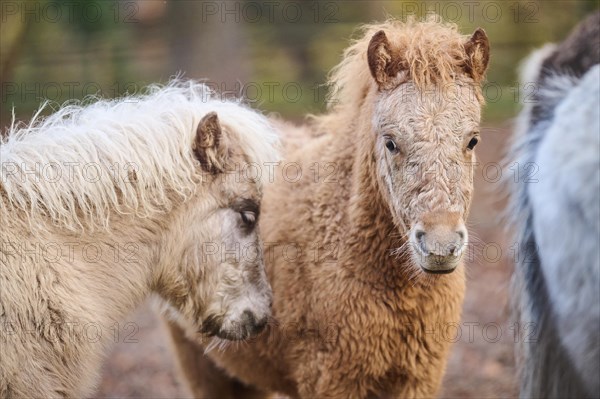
(121, 278)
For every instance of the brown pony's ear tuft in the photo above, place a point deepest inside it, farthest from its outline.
(477, 49)
(207, 142)
(383, 63)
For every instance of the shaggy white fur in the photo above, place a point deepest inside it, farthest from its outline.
(104, 204)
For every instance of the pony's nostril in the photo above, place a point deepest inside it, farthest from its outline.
(248, 318)
(462, 236)
(252, 326)
(260, 325)
(452, 249)
(420, 237)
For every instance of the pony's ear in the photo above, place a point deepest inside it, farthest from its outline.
(207, 142)
(381, 60)
(477, 49)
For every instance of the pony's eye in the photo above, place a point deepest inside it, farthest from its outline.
(472, 143)
(248, 218)
(391, 145)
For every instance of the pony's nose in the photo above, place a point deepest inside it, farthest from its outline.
(445, 243)
(437, 242)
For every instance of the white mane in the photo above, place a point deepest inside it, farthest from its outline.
(130, 155)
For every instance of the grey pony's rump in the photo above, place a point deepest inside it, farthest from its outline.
(555, 207)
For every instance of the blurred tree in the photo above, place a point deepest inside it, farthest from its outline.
(13, 32)
(88, 19)
(208, 42)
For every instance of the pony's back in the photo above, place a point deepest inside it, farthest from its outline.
(557, 204)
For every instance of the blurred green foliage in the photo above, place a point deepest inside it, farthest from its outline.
(276, 53)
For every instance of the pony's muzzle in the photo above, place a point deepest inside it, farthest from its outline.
(437, 242)
(244, 325)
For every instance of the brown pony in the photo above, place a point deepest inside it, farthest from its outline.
(365, 264)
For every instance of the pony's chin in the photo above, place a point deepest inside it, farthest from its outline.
(439, 271)
(231, 335)
(224, 334)
(430, 266)
(240, 334)
(246, 327)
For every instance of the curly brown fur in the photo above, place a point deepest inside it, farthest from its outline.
(356, 314)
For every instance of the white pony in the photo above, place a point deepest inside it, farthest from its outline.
(106, 203)
(556, 207)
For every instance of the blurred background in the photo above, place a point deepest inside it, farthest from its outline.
(276, 54)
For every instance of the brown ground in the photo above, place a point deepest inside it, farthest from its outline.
(482, 361)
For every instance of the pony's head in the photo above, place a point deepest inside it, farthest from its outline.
(227, 292)
(420, 101)
(425, 117)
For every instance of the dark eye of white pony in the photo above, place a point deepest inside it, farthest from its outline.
(248, 218)
(472, 143)
(391, 145)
